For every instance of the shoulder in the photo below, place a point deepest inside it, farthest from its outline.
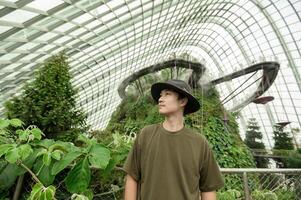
(197, 136)
(146, 130)
(149, 127)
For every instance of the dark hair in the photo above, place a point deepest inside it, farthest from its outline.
(180, 95)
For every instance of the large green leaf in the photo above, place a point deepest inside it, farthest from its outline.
(44, 143)
(47, 158)
(37, 133)
(23, 134)
(3, 164)
(79, 197)
(39, 192)
(36, 192)
(8, 176)
(16, 122)
(78, 179)
(64, 162)
(99, 156)
(12, 155)
(49, 193)
(56, 154)
(43, 172)
(25, 150)
(85, 139)
(29, 161)
(4, 148)
(4, 123)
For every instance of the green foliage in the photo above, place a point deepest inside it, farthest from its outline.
(229, 195)
(252, 136)
(62, 164)
(39, 192)
(263, 195)
(294, 160)
(119, 145)
(282, 139)
(282, 142)
(285, 194)
(223, 135)
(79, 177)
(81, 197)
(8, 175)
(49, 102)
(45, 158)
(99, 156)
(278, 194)
(133, 114)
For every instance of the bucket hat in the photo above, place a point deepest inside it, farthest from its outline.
(179, 86)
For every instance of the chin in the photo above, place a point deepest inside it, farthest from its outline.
(164, 113)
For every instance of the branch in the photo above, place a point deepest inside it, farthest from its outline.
(31, 173)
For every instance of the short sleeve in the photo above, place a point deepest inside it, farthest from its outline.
(132, 163)
(210, 176)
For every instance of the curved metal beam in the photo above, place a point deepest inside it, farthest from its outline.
(198, 70)
(270, 71)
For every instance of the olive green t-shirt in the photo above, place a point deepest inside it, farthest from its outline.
(172, 165)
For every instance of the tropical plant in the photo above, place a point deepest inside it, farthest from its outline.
(49, 102)
(24, 150)
(294, 159)
(230, 195)
(263, 195)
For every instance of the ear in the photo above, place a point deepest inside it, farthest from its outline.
(184, 101)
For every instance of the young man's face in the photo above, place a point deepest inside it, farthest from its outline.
(169, 103)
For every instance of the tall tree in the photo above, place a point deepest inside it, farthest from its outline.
(282, 142)
(254, 141)
(49, 101)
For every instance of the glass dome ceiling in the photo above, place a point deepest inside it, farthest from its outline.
(107, 41)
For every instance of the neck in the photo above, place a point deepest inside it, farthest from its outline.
(173, 123)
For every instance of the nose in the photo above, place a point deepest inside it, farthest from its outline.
(160, 99)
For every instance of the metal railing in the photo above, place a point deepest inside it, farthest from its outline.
(261, 184)
(240, 184)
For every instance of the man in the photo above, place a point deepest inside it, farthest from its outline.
(168, 160)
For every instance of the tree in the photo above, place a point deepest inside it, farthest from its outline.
(49, 102)
(253, 141)
(294, 160)
(282, 142)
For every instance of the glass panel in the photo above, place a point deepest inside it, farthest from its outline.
(4, 29)
(44, 5)
(18, 16)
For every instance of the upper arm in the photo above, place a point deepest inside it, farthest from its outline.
(210, 175)
(130, 180)
(130, 191)
(132, 165)
(132, 162)
(208, 195)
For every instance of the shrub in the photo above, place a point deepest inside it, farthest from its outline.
(49, 102)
